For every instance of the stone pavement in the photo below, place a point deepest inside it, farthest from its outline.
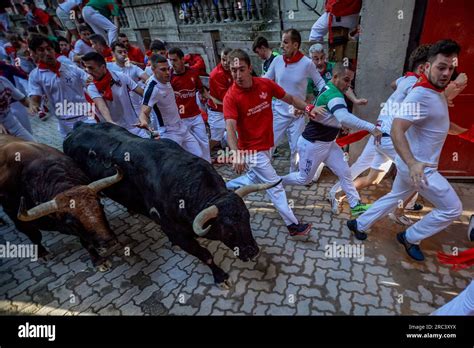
(291, 275)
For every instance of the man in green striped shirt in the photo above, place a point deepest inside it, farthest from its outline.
(317, 143)
(98, 14)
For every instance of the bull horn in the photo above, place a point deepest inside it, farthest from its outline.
(37, 212)
(203, 217)
(102, 184)
(245, 190)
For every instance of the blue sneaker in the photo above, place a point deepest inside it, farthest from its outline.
(413, 250)
(352, 225)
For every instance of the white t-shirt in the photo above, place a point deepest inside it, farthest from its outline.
(393, 103)
(7, 93)
(81, 48)
(427, 109)
(121, 108)
(160, 97)
(68, 5)
(134, 72)
(293, 79)
(68, 88)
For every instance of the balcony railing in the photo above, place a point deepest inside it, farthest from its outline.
(219, 11)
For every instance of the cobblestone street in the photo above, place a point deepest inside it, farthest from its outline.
(291, 275)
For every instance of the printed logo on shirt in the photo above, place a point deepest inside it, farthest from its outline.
(185, 93)
(256, 109)
(263, 95)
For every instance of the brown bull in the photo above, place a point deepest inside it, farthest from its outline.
(43, 189)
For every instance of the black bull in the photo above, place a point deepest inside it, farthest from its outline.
(180, 191)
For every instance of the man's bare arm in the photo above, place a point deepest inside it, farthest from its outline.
(104, 110)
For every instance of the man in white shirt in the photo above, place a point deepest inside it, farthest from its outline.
(418, 134)
(122, 65)
(291, 71)
(62, 83)
(83, 45)
(8, 120)
(159, 97)
(110, 93)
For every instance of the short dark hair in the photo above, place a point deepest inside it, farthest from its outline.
(418, 57)
(84, 27)
(445, 47)
(157, 45)
(241, 55)
(260, 42)
(178, 51)
(94, 56)
(157, 58)
(341, 67)
(295, 35)
(122, 35)
(97, 38)
(117, 44)
(225, 51)
(62, 39)
(37, 40)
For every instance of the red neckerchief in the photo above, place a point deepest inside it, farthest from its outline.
(53, 68)
(104, 86)
(107, 54)
(463, 260)
(66, 54)
(295, 59)
(409, 73)
(424, 82)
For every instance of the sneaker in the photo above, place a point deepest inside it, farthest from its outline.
(413, 250)
(299, 229)
(416, 207)
(335, 203)
(401, 220)
(359, 209)
(352, 225)
(470, 229)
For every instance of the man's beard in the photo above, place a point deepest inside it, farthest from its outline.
(430, 78)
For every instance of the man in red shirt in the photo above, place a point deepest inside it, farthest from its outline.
(186, 83)
(135, 55)
(220, 80)
(248, 112)
(100, 46)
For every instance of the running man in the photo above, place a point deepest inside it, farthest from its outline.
(317, 143)
(186, 84)
(291, 71)
(418, 134)
(248, 112)
(110, 93)
(159, 97)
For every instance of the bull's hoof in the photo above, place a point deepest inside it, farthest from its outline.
(104, 266)
(226, 285)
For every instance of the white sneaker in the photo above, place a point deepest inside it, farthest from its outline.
(401, 220)
(335, 203)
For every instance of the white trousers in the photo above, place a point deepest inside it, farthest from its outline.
(100, 24)
(197, 128)
(261, 171)
(320, 27)
(179, 134)
(447, 206)
(216, 124)
(14, 127)
(293, 127)
(312, 155)
(463, 304)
